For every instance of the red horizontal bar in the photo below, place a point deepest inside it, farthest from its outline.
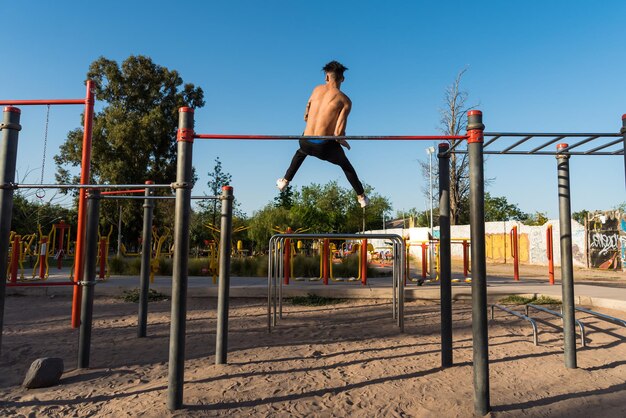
(123, 191)
(41, 284)
(356, 137)
(42, 102)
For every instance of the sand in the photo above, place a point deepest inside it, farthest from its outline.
(337, 360)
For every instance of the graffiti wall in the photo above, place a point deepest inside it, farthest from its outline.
(604, 247)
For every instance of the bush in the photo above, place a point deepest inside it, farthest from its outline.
(521, 300)
(133, 296)
(314, 300)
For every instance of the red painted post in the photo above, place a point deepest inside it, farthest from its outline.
(424, 260)
(550, 253)
(407, 270)
(103, 257)
(326, 260)
(465, 258)
(364, 262)
(43, 257)
(15, 257)
(515, 253)
(85, 168)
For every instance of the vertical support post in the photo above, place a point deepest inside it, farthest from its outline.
(183, 186)
(623, 132)
(43, 257)
(465, 258)
(515, 252)
(326, 262)
(364, 262)
(61, 227)
(424, 262)
(475, 130)
(102, 253)
(221, 335)
(85, 167)
(146, 253)
(119, 231)
(550, 253)
(567, 265)
(445, 255)
(89, 278)
(287, 257)
(16, 255)
(8, 156)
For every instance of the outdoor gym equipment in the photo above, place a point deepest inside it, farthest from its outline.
(276, 267)
(519, 315)
(581, 326)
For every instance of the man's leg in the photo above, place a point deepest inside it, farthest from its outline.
(335, 154)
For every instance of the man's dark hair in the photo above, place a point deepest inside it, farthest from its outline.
(336, 68)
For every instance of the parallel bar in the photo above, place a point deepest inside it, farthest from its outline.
(89, 278)
(226, 228)
(158, 197)
(42, 102)
(491, 141)
(552, 141)
(88, 186)
(618, 152)
(42, 284)
(334, 138)
(551, 134)
(116, 192)
(578, 144)
(445, 263)
(519, 315)
(520, 142)
(8, 158)
(606, 317)
(617, 141)
(581, 326)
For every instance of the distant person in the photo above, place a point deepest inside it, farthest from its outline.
(326, 115)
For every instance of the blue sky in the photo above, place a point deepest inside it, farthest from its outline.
(532, 66)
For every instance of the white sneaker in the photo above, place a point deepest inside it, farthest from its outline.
(281, 184)
(363, 200)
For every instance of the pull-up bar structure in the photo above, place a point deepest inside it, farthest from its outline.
(88, 102)
(333, 138)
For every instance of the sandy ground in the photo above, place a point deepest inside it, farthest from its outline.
(340, 360)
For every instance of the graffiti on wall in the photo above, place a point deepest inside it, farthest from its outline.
(603, 241)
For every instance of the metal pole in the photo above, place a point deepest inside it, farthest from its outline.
(146, 253)
(475, 130)
(567, 266)
(221, 335)
(119, 231)
(623, 132)
(445, 263)
(430, 194)
(85, 167)
(8, 156)
(89, 278)
(183, 186)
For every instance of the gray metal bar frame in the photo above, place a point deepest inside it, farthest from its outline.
(144, 275)
(226, 227)
(8, 158)
(13, 185)
(567, 266)
(445, 254)
(480, 331)
(184, 181)
(159, 197)
(275, 270)
(581, 326)
(605, 317)
(89, 279)
(519, 315)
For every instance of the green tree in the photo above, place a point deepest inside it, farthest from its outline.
(218, 178)
(284, 198)
(499, 209)
(580, 216)
(134, 133)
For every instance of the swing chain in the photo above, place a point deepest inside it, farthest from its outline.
(41, 193)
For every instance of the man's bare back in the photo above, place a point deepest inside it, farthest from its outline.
(327, 112)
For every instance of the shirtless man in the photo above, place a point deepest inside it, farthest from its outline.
(326, 115)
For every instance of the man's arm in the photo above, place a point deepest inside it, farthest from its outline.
(342, 121)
